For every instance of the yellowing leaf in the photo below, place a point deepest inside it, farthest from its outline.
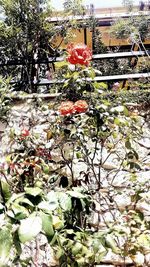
(57, 223)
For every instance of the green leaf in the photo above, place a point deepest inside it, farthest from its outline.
(128, 144)
(30, 228)
(48, 207)
(64, 201)
(47, 224)
(103, 107)
(96, 85)
(6, 190)
(111, 243)
(17, 243)
(96, 245)
(137, 166)
(136, 154)
(24, 200)
(77, 248)
(59, 253)
(144, 240)
(52, 200)
(53, 179)
(117, 121)
(81, 261)
(78, 155)
(99, 250)
(145, 196)
(103, 85)
(76, 194)
(117, 109)
(5, 245)
(20, 212)
(33, 191)
(57, 223)
(70, 232)
(46, 169)
(14, 197)
(54, 239)
(100, 255)
(126, 112)
(25, 262)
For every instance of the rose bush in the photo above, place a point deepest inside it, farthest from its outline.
(61, 179)
(79, 54)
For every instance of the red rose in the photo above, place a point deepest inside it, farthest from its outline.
(25, 133)
(80, 106)
(66, 108)
(79, 54)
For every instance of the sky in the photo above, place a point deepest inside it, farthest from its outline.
(97, 3)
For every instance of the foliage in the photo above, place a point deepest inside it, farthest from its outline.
(27, 38)
(138, 94)
(22, 35)
(114, 66)
(4, 98)
(128, 4)
(31, 39)
(98, 46)
(135, 29)
(74, 7)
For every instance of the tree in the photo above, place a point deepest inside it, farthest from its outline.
(25, 39)
(74, 7)
(128, 4)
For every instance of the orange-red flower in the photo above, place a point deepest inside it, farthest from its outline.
(79, 54)
(25, 133)
(80, 106)
(66, 108)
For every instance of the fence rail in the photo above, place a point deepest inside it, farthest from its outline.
(134, 76)
(22, 62)
(99, 16)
